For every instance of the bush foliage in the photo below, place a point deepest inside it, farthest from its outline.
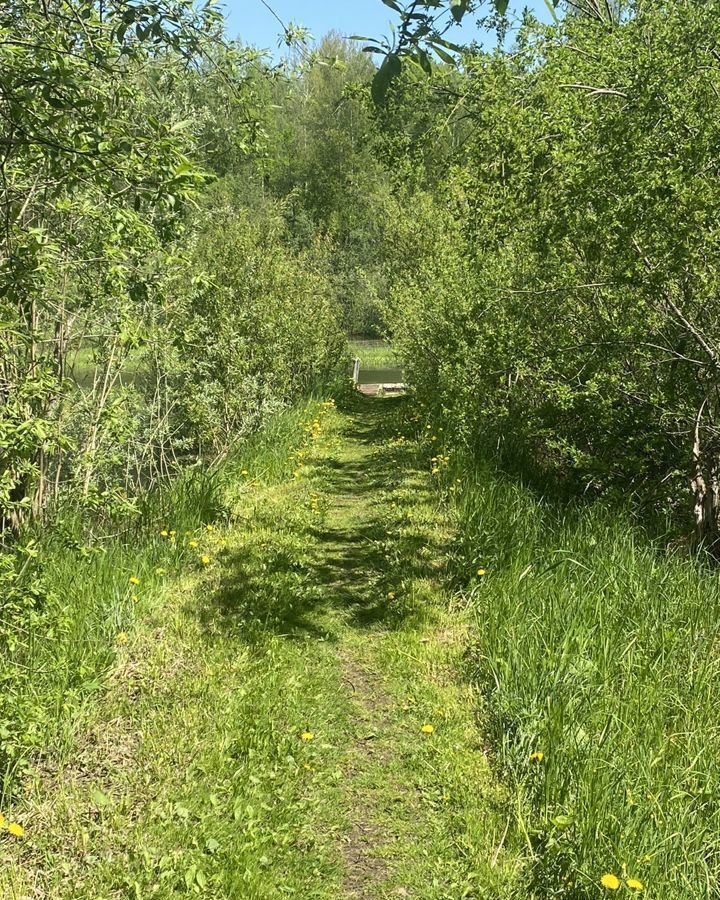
(563, 302)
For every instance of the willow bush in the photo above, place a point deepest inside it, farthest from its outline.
(250, 325)
(566, 307)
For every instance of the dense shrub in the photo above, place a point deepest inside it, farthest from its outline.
(150, 317)
(250, 325)
(566, 307)
(558, 315)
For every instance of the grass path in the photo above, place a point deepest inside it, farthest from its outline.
(262, 733)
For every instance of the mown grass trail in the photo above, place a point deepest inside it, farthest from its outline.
(288, 720)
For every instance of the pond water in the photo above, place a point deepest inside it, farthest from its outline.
(391, 375)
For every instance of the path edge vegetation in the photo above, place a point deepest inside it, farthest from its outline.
(424, 789)
(578, 623)
(537, 230)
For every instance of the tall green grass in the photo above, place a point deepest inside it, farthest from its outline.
(70, 600)
(598, 659)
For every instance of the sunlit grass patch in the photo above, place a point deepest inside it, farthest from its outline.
(165, 762)
(268, 705)
(89, 583)
(375, 354)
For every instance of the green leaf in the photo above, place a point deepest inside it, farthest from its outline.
(99, 799)
(394, 65)
(390, 69)
(501, 6)
(551, 5)
(456, 48)
(190, 877)
(444, 55)
(458, 9)
(424, 60)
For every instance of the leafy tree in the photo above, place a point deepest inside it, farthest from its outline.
(91, 181)
(572, 314)
(322, 160)
(422, 35)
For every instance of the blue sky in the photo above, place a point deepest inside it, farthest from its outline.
(254, 24)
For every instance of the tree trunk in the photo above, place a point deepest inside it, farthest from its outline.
(706, 491)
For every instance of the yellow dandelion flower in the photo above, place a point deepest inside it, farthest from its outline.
(173, 533)
(538, 756)
(135, 580)
(122, 638)
(391, 595)
(244, 472)
(15, 829)
(2, 820)
(635, 885)
(164, 533)
(205, 560)
(135, 598)
(481, 572)
(193, 544)
(209, 528)
(307, 736)
(427, 729)
(610, 882)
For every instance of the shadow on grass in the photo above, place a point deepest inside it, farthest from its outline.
(294, 576)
